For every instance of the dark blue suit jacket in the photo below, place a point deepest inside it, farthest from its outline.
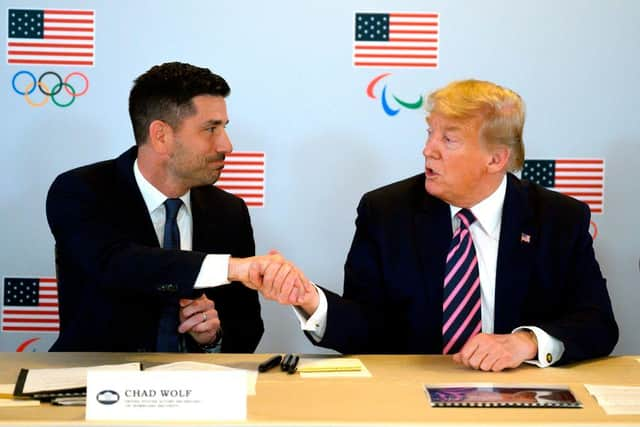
(113, 277)
(395, 270)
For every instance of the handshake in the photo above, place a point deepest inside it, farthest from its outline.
(276, 279)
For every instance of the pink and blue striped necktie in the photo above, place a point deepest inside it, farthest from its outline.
(461, 315)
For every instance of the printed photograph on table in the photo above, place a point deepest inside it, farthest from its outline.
(489, 395)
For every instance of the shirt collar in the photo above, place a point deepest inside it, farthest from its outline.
(153, 198)
(488, 212)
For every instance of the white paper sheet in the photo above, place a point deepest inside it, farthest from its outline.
(616, 399)
(252, 376)
(39, 380)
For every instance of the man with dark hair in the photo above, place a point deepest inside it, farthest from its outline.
(144, 242)
(166, 92)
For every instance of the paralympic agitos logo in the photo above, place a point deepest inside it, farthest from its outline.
(391, 104)
(50, 86)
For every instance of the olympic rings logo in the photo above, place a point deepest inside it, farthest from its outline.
(28, 87)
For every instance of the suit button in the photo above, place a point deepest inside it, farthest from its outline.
(172, 288)
(162, 288)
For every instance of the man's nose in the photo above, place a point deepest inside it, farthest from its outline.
(427, 151)
(223, 144)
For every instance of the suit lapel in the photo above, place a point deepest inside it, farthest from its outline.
(433, 236)
(515, 257)
(136, 215)
(212, 230)
(202, 228)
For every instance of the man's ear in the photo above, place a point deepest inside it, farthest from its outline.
(499, 160)
(160, 136)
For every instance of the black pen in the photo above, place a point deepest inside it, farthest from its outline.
(270, 363)
(284, 366)
(293, 364)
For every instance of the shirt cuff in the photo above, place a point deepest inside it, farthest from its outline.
(213, 272)
(215, 349)
(317, 322)
(550, 349)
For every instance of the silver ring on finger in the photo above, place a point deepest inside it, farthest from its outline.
(204, 317)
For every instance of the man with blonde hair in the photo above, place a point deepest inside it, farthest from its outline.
(484, 266)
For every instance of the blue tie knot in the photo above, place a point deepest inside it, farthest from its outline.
(172, 206)
(466, 217)
(171, 230)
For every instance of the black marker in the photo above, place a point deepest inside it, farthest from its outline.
(293, 364)
(270, 363)
(284, 365)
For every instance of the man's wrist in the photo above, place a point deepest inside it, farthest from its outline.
(214, 343)
(310, 307)
(532, 340)
(235, 270)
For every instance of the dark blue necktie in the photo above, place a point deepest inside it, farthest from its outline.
(167, 340)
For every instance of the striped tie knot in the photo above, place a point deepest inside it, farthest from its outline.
(466, 217)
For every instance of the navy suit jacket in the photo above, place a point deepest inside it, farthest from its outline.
(113, 277)
(394, 273)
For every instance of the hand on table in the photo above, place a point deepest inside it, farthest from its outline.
(495, 352)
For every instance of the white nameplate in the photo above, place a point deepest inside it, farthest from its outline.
(166, 395)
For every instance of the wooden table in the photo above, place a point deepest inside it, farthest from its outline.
(394, 395)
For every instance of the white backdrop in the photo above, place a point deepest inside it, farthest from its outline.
(297, 97)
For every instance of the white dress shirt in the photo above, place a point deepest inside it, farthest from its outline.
(485, 232)
(215, 268)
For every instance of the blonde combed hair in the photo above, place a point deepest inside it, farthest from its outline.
(501, 109)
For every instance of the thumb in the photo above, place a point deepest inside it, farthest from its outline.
(184, 302)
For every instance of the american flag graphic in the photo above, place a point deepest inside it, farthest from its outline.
(30, 305)
(243, 175)
(396, 39)
(51, 37)
(582, 179)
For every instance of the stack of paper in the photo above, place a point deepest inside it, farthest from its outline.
(60, 382)
(615, 399)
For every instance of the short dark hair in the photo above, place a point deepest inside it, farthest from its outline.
(165, 92)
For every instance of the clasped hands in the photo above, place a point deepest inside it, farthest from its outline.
(276, 278)
(199, 318)
(272, 275)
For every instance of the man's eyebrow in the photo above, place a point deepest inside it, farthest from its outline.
(450, 128)
(215, 123)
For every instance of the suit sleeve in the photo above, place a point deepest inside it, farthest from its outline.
(587, 326)
(93, 235)
(355, 321)
(237, 305)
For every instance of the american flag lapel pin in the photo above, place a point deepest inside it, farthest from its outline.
(525, 238)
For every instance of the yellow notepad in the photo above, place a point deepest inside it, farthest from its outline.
(334, 364)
